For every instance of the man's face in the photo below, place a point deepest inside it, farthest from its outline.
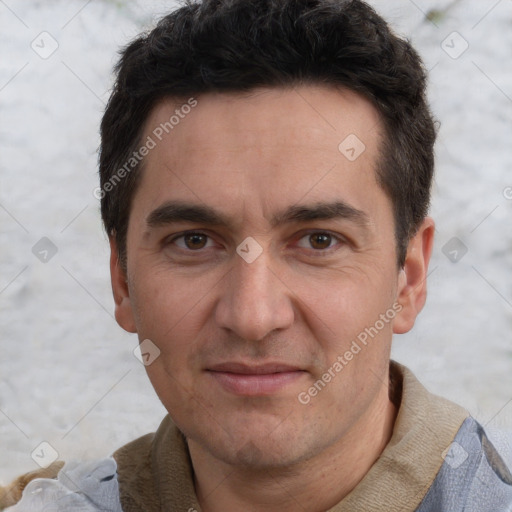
(250, 312)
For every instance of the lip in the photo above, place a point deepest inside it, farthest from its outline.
(254, 380)
(247, 369)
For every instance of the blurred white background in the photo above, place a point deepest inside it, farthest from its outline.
(68, 375)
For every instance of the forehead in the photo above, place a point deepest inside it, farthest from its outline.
(270, 116)
(261, 151)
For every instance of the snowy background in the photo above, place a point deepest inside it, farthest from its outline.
(68, 376)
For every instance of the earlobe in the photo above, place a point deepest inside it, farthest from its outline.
(412, 280)
(123, 307)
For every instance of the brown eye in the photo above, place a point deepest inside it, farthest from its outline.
(191, 242)
(320, 240)
(321, 243)
(195, 240)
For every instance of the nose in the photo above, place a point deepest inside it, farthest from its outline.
(255, 301)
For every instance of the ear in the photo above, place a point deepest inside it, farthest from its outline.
(412, 281)
(120, 290)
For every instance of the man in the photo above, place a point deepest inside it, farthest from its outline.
(265, 181)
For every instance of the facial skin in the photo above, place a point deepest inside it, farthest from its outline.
(300, 303)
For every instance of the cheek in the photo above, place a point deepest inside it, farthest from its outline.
(342, 303)
(171, 314)
(163, 302)
(171, 317)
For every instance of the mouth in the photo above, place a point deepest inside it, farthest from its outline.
(254, 380)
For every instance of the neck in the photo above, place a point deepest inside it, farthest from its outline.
(316, 484)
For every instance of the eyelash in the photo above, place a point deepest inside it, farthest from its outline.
(317, 252)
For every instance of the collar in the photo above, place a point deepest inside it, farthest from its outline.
(425, 426)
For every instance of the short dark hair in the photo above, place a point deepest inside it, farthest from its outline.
(239, 45)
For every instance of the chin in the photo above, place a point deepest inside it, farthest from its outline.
(262, 448)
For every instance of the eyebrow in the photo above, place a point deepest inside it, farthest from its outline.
(178, 211)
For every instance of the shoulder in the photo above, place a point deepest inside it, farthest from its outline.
(91, 483)
(11, 494)
(87, 486)
(476, 473)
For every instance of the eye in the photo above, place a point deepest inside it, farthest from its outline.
(192, 241)
(319, 240)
